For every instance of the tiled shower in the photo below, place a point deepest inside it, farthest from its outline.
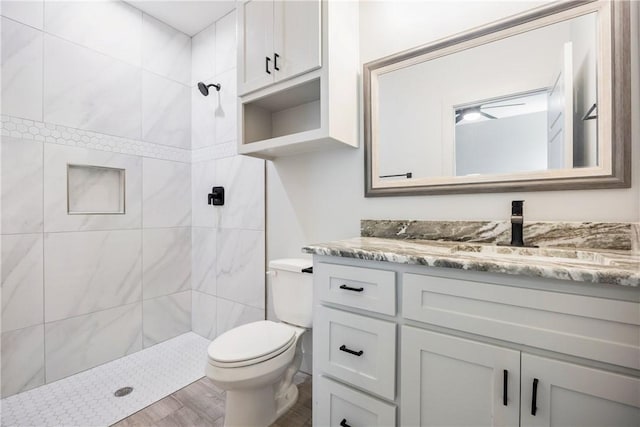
(108, 154)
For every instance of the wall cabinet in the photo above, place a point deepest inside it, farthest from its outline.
(298, 67)
(471, 349)
(277, 40)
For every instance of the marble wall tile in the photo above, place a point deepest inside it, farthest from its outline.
(166, 317)
(27, 12)
(230, 314)
(56, 217)
(80, 343)
(226, 107)
(88, 90)
(166, 261)
(203, 315)
(166, 111)
(203, 55)
(240, 269)
(165, 50)
(22, 360)
(203, 117)
(22, 272)
(203, 262)
(90, 271)
(243, 179)
(21, 186)
(203, 179)
(109, 27)
(21, 70)
(166, 194)
(226, 43)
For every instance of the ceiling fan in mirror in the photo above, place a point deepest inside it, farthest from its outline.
(474, 113)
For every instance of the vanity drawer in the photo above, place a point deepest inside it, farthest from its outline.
(594, 328)
(336, 403)
(356, 349)
(364, 288)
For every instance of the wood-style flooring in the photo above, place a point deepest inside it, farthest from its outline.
(202, 404)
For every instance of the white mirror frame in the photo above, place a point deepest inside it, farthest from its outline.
(614, 106)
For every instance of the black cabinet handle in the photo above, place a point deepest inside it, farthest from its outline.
(266, 64)
(348, 288)
(504, 387)
(355, 353)
(275, 61)
(534, 397)
(343, 423)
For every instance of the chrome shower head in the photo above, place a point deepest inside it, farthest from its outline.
(204, 89)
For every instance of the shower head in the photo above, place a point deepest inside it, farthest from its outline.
(204, 89)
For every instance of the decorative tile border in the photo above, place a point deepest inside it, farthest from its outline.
(63, 135)
(586, 235)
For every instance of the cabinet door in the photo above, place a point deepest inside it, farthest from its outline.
(573, 395)
(449, 381)
(297, 37)
(255, 44)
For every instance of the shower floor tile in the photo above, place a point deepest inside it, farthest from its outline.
(86, 399)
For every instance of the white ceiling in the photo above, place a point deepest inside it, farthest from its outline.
(188, 16)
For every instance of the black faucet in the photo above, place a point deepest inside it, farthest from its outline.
(517, 221)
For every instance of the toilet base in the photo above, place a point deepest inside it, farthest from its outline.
(257, 407)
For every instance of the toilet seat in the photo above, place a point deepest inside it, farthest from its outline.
(251, 344)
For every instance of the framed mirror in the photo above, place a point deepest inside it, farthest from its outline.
(538, 101)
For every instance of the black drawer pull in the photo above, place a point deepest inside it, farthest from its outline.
(343, 423)
(266, 64)
(349, 288)
(534, 397)
(355, 353)
(275, 61)
(504, 387)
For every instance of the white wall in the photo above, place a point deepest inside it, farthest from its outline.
(320, 196)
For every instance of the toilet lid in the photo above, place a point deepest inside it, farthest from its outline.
(251, 341)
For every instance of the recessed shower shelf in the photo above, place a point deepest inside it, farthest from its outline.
(95, 190)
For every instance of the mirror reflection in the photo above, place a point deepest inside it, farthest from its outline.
(519, 104)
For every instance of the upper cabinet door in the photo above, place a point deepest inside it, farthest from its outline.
(566, 394)
(255, 45)
(449, 381)
(297, 37)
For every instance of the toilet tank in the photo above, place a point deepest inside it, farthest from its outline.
(292, 291)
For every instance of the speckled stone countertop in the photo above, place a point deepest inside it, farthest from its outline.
(604, 266)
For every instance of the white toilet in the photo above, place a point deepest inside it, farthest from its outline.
(255, 363)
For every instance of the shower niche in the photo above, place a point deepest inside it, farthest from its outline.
(95, 190)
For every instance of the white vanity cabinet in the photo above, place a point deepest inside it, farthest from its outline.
(298, 66)
(276, 40)
(469, 346)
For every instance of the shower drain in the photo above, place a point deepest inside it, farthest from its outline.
(123, 391)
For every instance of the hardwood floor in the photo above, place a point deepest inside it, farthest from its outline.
(202, 404)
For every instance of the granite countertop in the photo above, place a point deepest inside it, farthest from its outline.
(604, 266)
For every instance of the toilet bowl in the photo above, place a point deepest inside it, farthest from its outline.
(255, 363)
